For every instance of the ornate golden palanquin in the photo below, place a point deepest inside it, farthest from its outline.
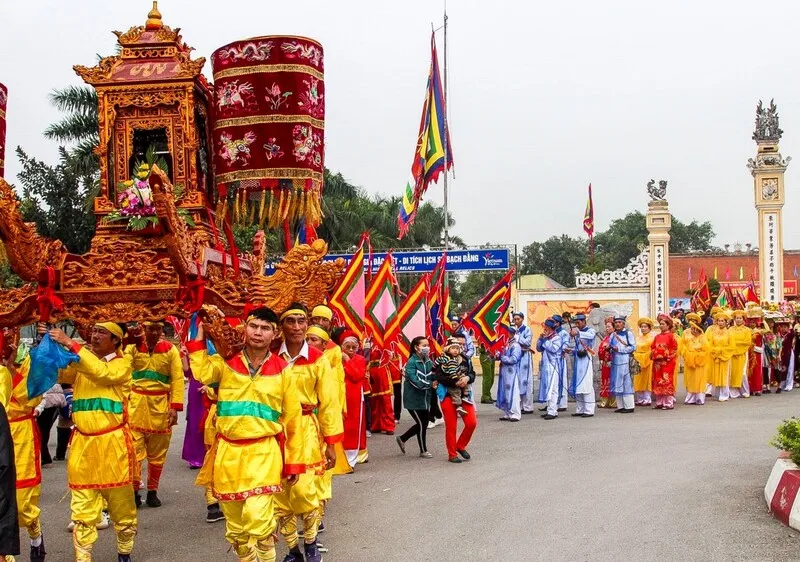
(152, 85)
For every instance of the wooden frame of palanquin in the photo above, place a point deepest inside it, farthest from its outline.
(126, 276)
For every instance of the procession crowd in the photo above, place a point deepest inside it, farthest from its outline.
(725, 354)
(266, 427)
(269, 426)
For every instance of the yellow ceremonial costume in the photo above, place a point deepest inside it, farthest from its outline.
(721, 350)
(318, 389)
(157, 387)
(643, 382)
(27, 446)
(695, 361)
(101, 458)
(741, 340)
(333, 355)
(256, 411)
(209, 436)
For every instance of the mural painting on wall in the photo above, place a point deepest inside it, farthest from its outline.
(539, 311)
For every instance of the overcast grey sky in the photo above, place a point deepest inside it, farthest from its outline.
(545, 97)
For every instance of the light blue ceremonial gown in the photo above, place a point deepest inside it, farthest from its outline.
(508, 384)
(623, 344)
(551, 368)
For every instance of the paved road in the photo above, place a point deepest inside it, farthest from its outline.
(680, 485)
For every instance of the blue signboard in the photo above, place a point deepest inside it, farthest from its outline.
(493, 259)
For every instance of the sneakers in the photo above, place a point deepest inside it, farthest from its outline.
(401, 444)
(105, 521)
(320, 529)
(152, 499)
(464, 454)
(369, 433)
(425, 455)
(37, 552)
(431, 425)
(455, 460)
(312, 552)
(461, 411)
(294, 556)
(214, 514)
(439, 421)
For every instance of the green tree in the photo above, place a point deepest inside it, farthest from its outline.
(54, 197)
(557, 257)
(474, 286)
(78, 129)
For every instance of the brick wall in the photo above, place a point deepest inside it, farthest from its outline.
(679, 266)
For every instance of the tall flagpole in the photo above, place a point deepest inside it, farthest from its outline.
(445, 141)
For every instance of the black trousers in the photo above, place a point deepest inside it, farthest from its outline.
(419, 429)
(397, 388)
(436, 411)
(45, 422)
(63, 434)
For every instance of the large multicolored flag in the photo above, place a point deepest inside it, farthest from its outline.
(486, 319)
(434, 151)
(701, 300)
(588, 222)
(749, 293)
(412, 318)
(380, 308)
(722, 299)
(436, 306)
(347, 299)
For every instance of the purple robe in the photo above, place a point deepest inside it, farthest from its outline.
(194, 449)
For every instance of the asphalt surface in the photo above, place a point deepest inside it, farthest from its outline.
(657, 485)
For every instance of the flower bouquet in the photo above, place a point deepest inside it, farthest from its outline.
(135, 197)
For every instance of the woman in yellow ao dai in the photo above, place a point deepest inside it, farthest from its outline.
(719, 338)
(695, 348)
(741, 340)
(643, 382)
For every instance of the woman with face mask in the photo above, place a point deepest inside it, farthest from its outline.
(417, 390)
(355, 422)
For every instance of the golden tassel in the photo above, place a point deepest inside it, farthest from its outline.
(235, 217)
(288, 204)
(261, 209)
(292, 212)
(270, 211)
(301, 208)
(222, 213)
(279, 214)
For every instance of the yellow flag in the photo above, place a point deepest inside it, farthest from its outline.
(715, 273)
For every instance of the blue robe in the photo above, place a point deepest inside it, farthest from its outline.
(582, 371)
(562, 380)
(551, 365)
(508, 383)
(623, 344)
(524, 337)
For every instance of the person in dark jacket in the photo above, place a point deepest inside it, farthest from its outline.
(9, 523)
(417, 391)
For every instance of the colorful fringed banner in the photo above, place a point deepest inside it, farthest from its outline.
(489, 319)
(3, 104)
(412, 318)
(269, 123)
(347, 299)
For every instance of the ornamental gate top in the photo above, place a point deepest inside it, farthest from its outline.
(635, 274)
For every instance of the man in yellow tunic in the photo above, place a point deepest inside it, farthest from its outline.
(318, 390)
(156, 399)
(257, 410)
(27, 448)
(643, 382)
(741, 341)
(100, 464)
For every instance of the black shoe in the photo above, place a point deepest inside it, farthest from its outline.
(37, 552)
(527, 412)
(576, 415)
(455, 460)
(778, 391)
(464, 454)
(320, 529)
(549, 417)
(513, 420)
(214, 514)
(626, 411)
(138, 499)
(294, 556)
(562, 409)
(152, 499)
(123, 558)
(59, 458)
(505, 419)
(587, 415)
(767, 391)
(543, 409)
(312, 552)
(619, 410)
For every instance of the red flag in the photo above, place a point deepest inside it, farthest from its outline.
(701, 300)
(588, 222)
(749, 293)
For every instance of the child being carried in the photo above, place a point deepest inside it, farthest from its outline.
(452, 366)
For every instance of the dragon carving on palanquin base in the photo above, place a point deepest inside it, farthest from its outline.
(28, 253)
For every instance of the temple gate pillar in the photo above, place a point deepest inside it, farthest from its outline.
(659, 222)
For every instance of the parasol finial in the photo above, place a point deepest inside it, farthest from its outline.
(154, 19)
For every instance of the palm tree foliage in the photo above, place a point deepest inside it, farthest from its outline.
(78, 129)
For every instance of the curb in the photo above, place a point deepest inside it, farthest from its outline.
(781, 490)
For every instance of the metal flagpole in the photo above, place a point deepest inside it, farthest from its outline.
(446, 148)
